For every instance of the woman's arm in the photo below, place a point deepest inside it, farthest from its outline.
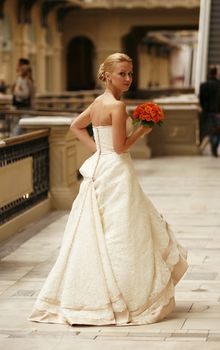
(78, 127)
(120, 140)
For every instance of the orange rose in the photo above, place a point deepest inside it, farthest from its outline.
(148, 112)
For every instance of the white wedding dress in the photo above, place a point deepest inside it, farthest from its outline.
(119, 260)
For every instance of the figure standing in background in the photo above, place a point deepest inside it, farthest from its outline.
(209, 97)
(22, 90)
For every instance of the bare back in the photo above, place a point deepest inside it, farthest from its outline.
(101, 110)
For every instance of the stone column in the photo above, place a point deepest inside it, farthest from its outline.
(202, 53)
(4, 58)
(66, 156)
(24, 41)
(57, 62)
(41, 68)
(1, 40)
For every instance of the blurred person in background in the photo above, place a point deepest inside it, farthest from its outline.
(22, 90)
(209, 98)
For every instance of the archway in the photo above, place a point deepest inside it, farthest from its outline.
(80, 59)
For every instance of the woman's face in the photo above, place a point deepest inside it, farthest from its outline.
(121, 76)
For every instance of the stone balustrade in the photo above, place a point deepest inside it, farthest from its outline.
(179, 134)
(24, 181)
(66, 155)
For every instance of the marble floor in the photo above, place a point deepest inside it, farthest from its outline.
(187, 191)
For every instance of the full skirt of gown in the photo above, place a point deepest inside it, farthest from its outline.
(119, 260)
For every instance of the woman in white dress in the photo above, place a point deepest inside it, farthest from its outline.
(119, 260)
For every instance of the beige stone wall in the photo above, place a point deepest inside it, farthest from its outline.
(106, 30)
(152, 69)
(180, 133)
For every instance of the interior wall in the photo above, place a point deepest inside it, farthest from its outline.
(106, 29)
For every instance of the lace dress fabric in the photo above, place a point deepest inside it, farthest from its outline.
(119, 260)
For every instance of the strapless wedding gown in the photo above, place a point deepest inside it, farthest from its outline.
(119, 260)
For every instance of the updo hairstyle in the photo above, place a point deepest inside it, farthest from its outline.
(110, 61)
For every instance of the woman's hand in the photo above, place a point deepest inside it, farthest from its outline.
(145, 129)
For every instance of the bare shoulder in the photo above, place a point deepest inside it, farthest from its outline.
(98, 98)
(118, 108)
(118, 105)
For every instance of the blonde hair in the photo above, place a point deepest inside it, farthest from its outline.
(109, 63)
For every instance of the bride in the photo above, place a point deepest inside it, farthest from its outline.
(119, 260)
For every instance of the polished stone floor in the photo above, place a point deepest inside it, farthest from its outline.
(187, 191)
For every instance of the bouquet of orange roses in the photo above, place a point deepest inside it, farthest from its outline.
(148, 114)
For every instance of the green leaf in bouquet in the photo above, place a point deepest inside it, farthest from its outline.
(149, 124)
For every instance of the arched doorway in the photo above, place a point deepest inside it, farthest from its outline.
(80, 59)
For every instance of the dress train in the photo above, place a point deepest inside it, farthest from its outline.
(119, 260)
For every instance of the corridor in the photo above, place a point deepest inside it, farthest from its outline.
(186, 191)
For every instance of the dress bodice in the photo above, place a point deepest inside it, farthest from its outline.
(103, 137)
